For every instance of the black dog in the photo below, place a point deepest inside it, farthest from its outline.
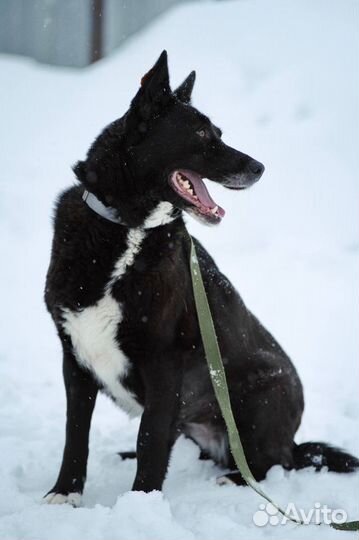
(119, 291)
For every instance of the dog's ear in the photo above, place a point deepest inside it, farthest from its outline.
(80, 170)
(155, 89)
(184, 91)
(87, 177)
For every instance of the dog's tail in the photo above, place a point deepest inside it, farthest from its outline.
(319, 455)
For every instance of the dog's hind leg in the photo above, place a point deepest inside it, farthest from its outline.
(81, 392)
(267, 406)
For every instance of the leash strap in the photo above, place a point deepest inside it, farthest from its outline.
(219, 381)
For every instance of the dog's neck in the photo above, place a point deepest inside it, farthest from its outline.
(162, 214)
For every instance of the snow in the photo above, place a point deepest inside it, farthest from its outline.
(281, 79)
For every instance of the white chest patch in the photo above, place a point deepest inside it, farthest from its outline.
(93, 332)
(160, 215)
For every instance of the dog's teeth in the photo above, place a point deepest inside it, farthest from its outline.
(186, 184)
(214, 210)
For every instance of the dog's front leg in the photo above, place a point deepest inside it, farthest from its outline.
(81, 392)
(157, 429)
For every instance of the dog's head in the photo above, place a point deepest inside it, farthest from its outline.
(160, 151)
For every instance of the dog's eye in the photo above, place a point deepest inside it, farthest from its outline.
(202, 133)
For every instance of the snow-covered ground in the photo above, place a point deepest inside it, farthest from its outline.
(281, 78)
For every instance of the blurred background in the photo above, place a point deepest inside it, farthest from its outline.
(281, 78)
(73, 32)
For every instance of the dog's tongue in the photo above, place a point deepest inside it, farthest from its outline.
(202, 193)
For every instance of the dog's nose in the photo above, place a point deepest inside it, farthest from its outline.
(256, 168)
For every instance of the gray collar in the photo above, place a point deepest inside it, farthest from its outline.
(97, 206)
(162, 214)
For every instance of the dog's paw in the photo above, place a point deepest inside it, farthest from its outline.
(224, 481)
(74, 499)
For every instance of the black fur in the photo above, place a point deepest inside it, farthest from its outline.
(128, 168)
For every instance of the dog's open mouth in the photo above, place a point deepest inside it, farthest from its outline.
(190, 186)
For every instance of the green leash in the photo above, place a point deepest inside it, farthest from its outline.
(219, 381)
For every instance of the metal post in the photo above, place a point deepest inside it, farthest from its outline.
(97, 29)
